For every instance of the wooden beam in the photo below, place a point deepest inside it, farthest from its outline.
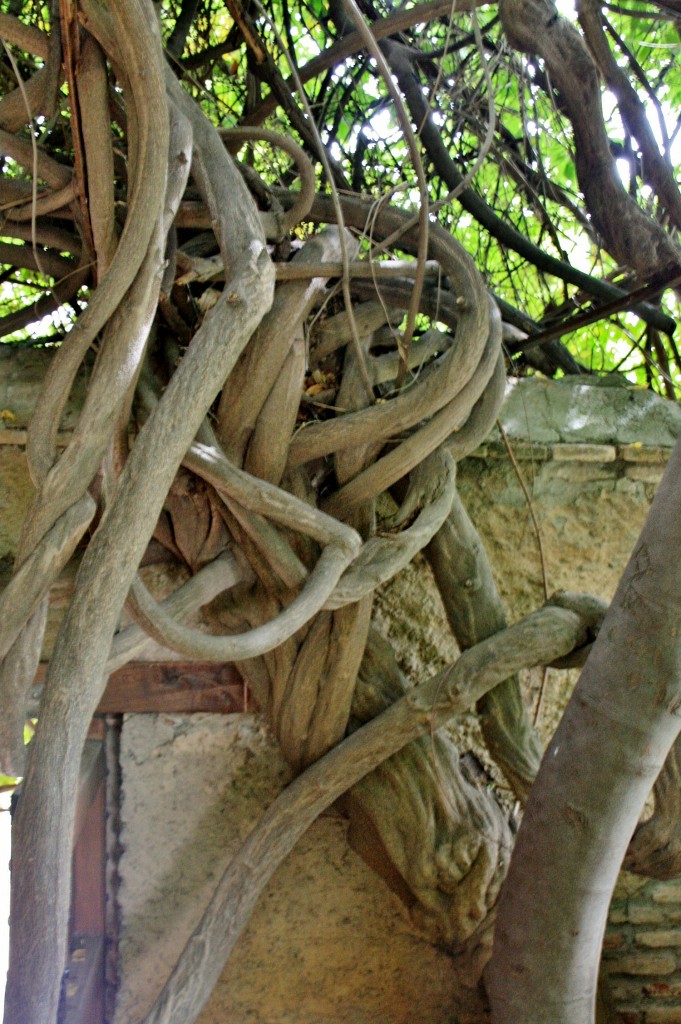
(83, 993)
(88, 895)
(174, 687)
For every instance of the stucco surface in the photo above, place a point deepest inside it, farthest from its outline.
(328, 942)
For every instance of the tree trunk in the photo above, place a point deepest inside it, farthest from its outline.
(594, 779)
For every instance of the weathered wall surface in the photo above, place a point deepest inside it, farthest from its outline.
(589, 499)
(328, 941)
(21, 375)
(643, 950)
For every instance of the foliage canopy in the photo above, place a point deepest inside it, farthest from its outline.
(498, 154)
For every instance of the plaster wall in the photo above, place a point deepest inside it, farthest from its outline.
(327, 942)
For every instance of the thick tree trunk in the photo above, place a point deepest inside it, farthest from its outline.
(595, 776)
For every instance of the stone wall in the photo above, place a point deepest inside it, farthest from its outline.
(643, 950)
(328, 941)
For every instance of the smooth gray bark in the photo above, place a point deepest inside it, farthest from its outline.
(621, 722)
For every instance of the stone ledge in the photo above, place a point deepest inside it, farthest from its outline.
(574, 419)
(15, 437)
(645, 964)
(601, 454)
(651, 460)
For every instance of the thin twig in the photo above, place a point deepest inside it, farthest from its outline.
(405, 123)
(357, 345)
(530, 505)
(540, 547)
(34, 148)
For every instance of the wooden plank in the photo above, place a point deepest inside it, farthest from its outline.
(83, 997)
(97, 729)
(88, 896)
(174, 687)
(112, 880)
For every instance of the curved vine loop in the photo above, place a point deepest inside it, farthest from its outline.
(285, 222)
